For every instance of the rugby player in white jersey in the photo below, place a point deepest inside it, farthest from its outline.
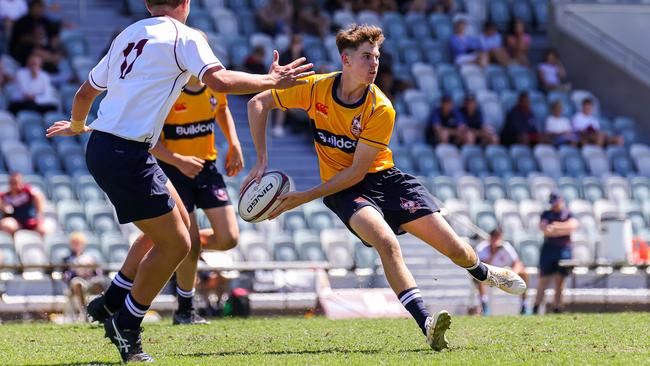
(143, 73)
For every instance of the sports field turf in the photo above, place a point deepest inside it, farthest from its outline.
(571, 339)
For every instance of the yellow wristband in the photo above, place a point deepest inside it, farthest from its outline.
(77, 126)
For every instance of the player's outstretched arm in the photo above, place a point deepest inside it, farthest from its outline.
(279, 77)
(191, 166)
(234, 157)
(364, 157)
(258, 112)
(81, 104)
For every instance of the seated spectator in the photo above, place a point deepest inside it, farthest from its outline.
(276, 17)
(551, 73)
(33, 30)
(479, 131)
(492, 44)
(34, 89)
(558, 127)
(254, 62)
(22, 206)
(10, 11)
(518, 43)
(311, 19)
(499, 253)
(520, 126)
(588, 127)
(82, 281)
(466, 49)
(447, 125)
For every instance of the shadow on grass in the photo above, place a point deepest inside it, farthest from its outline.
(305, 352)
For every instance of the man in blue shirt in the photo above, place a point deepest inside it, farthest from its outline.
(447, 124)
(557, 224)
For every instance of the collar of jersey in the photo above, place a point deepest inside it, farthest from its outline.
(197, 92)
(356, 104)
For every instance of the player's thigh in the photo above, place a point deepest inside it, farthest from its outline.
(369, 225)
(167, 231)
(434, 230)
(224, 223)
(9, 223)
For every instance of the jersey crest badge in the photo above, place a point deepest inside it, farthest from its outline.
(409, 205)
(355, 128)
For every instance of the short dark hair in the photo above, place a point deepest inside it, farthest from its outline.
(355, 35)
(496, 232)
(587, 101)
(172, 3)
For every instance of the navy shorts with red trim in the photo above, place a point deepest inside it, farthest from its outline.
(398, 196)
(206, 190)
(129, 175)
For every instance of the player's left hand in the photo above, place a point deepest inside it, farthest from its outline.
(234, 160)
(62, 128)
(288, 201)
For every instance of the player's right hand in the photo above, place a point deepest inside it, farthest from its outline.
(190, 166)
(255, 173)
(289, 75)
(62, 128)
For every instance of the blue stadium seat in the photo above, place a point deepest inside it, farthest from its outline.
(364, 257)
(620, 161)
(499, 160)
(530, 212)
(394, 25)
(338, 248)
(474, 161)
(483, 215)
(343, 18)
(640, 188)
(225, 21)
(60, 188)
(441, 26)
(470, 188)
(450, 160)
(569, 109)
(523, 159)
(309, 246)
(494, 189)
(444, 188)
(548, 160)
(522, 79)
(434, 51)
(541, 187)
(201, 20)
(418, 26)
(572, 163)
(492, 110)
(521, 9)
(499, 14)
(294, 220)
(569, 188)
(75, 43)
(283, 248)
(540, 10)
(518, 189)
(369, 17)
(617, 188)
(592, 189)
(409, 51)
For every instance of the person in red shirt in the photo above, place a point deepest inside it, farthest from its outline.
(22, 206)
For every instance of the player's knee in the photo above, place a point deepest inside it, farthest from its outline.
(231, 240)
(388, 247)
(195, 249)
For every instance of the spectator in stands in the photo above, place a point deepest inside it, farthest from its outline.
(479, 131)
(276, 17)
(464, 48)
(588, 127)
(558, 127)
(10, 11)
(34, 88)
(551, 73)
(254, 62)
(33, 30)
(447, 125)
(22, 206)
(557, 224)
(520, 126)
(5, 77)
(501, 254)
(311, 19)
(492, 44)
(518, 43)
(81, 280)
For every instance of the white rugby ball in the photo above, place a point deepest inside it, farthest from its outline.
(257, 201)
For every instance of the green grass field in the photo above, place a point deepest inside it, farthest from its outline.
(572, 339)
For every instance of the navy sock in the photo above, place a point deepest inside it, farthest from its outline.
(184, 299)
(131, 315)
(117, 291)
(478, 271)
(412, 301)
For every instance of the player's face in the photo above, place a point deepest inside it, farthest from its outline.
(364, 62)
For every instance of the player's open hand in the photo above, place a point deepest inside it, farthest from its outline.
(190, 166)
(289, 75)
(255, 174)
(234, 160)
(62, 128)
(288, 201)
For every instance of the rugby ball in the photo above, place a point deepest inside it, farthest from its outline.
(257, 201)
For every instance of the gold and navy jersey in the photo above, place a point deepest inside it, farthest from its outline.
(337, 127)
(189, 127)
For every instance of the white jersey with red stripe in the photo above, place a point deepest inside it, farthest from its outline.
(143, 73)
(505, 256)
